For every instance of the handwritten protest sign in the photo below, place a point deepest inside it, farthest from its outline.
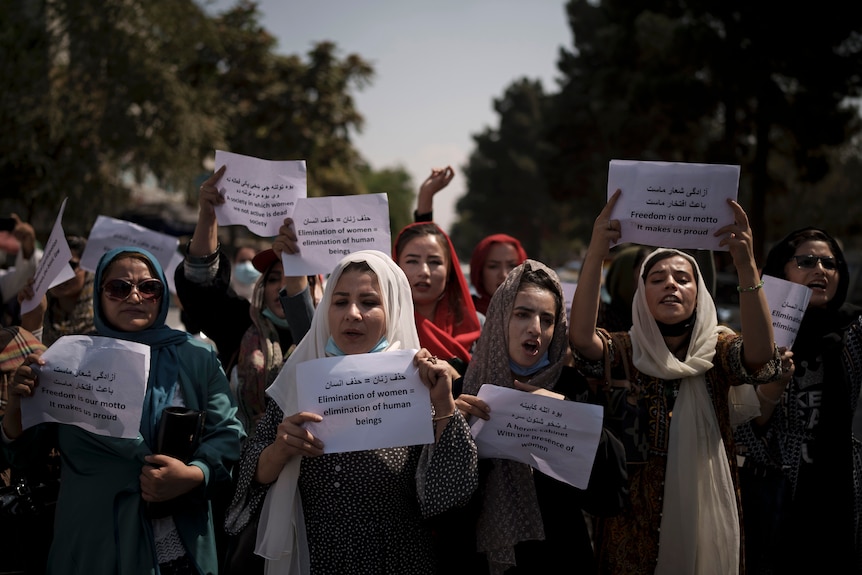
(96, 383)
(787, 304)
(368, 401)
(109, 233)
(53, 268)
(559, 438)
(329, 228)
(258, 193)
(673, 204)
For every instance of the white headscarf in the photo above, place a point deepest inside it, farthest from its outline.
(281, 536)
(700, 525)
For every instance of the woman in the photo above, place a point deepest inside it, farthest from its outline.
(802, 462)
(493, 258)
(305, 520)
(445, 316)
(684, 512)
(523, 345)
(107, 483)
(254, 337)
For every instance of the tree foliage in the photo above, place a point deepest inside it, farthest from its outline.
(704, 81)
(100, 95)
(508, 192)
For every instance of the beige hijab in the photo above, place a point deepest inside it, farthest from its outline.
(281, 537)
(510, 509)
(700, 525)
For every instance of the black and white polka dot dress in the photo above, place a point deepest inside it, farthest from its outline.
(364, 510)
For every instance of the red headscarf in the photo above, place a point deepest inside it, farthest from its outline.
(448, 335)
(477, 265)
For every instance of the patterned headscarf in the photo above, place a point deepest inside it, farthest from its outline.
(16, 344)
(510, 509)
(260, 357)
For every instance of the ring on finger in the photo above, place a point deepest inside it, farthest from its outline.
(610, 226)
(433, 360)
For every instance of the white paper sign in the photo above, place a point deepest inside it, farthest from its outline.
(673, 204)
(53, 268)
(367, 400)
(787, 304)
(109, 233)
(331, 227)
(569, 294)
(96, 383)
(258, 193)
(558, 437)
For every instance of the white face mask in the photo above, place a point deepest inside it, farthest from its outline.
(245, 273)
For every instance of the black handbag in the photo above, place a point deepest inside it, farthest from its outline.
(179, 435)
(180, 431)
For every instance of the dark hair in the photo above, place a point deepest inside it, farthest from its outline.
(785, 249)
(358, 267)
(412, 232)
(661, 256)
(542, 280)
(77, 244)
(417, 230)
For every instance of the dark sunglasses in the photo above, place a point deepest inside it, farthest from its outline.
(809, 262)
(121, 289)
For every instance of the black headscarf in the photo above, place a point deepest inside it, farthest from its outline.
(829, 489)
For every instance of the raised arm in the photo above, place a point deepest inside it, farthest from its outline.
(585, 303)
(759, 345)
(439, 179)
(205, 238)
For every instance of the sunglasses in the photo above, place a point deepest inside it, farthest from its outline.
(809, 262)
(151, 289)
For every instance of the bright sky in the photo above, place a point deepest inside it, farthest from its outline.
(438, 67)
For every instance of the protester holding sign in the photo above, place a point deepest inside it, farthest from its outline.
(356, 511)
(522, 518)
(252, 338)
(684, 512)
(108, 483)
(802, 498)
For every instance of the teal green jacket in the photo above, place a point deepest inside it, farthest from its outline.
(101, 526)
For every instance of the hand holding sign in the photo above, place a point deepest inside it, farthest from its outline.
(672, 204)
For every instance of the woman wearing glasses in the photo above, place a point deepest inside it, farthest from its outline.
(108, 482)
(801, 493)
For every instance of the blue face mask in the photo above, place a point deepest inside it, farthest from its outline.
(541, 364)
(245, 273)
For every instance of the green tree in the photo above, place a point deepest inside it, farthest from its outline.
(281, 107)
(397, 184)
(102, 95)
(508, 192)
(96, 93)
(706, 81)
